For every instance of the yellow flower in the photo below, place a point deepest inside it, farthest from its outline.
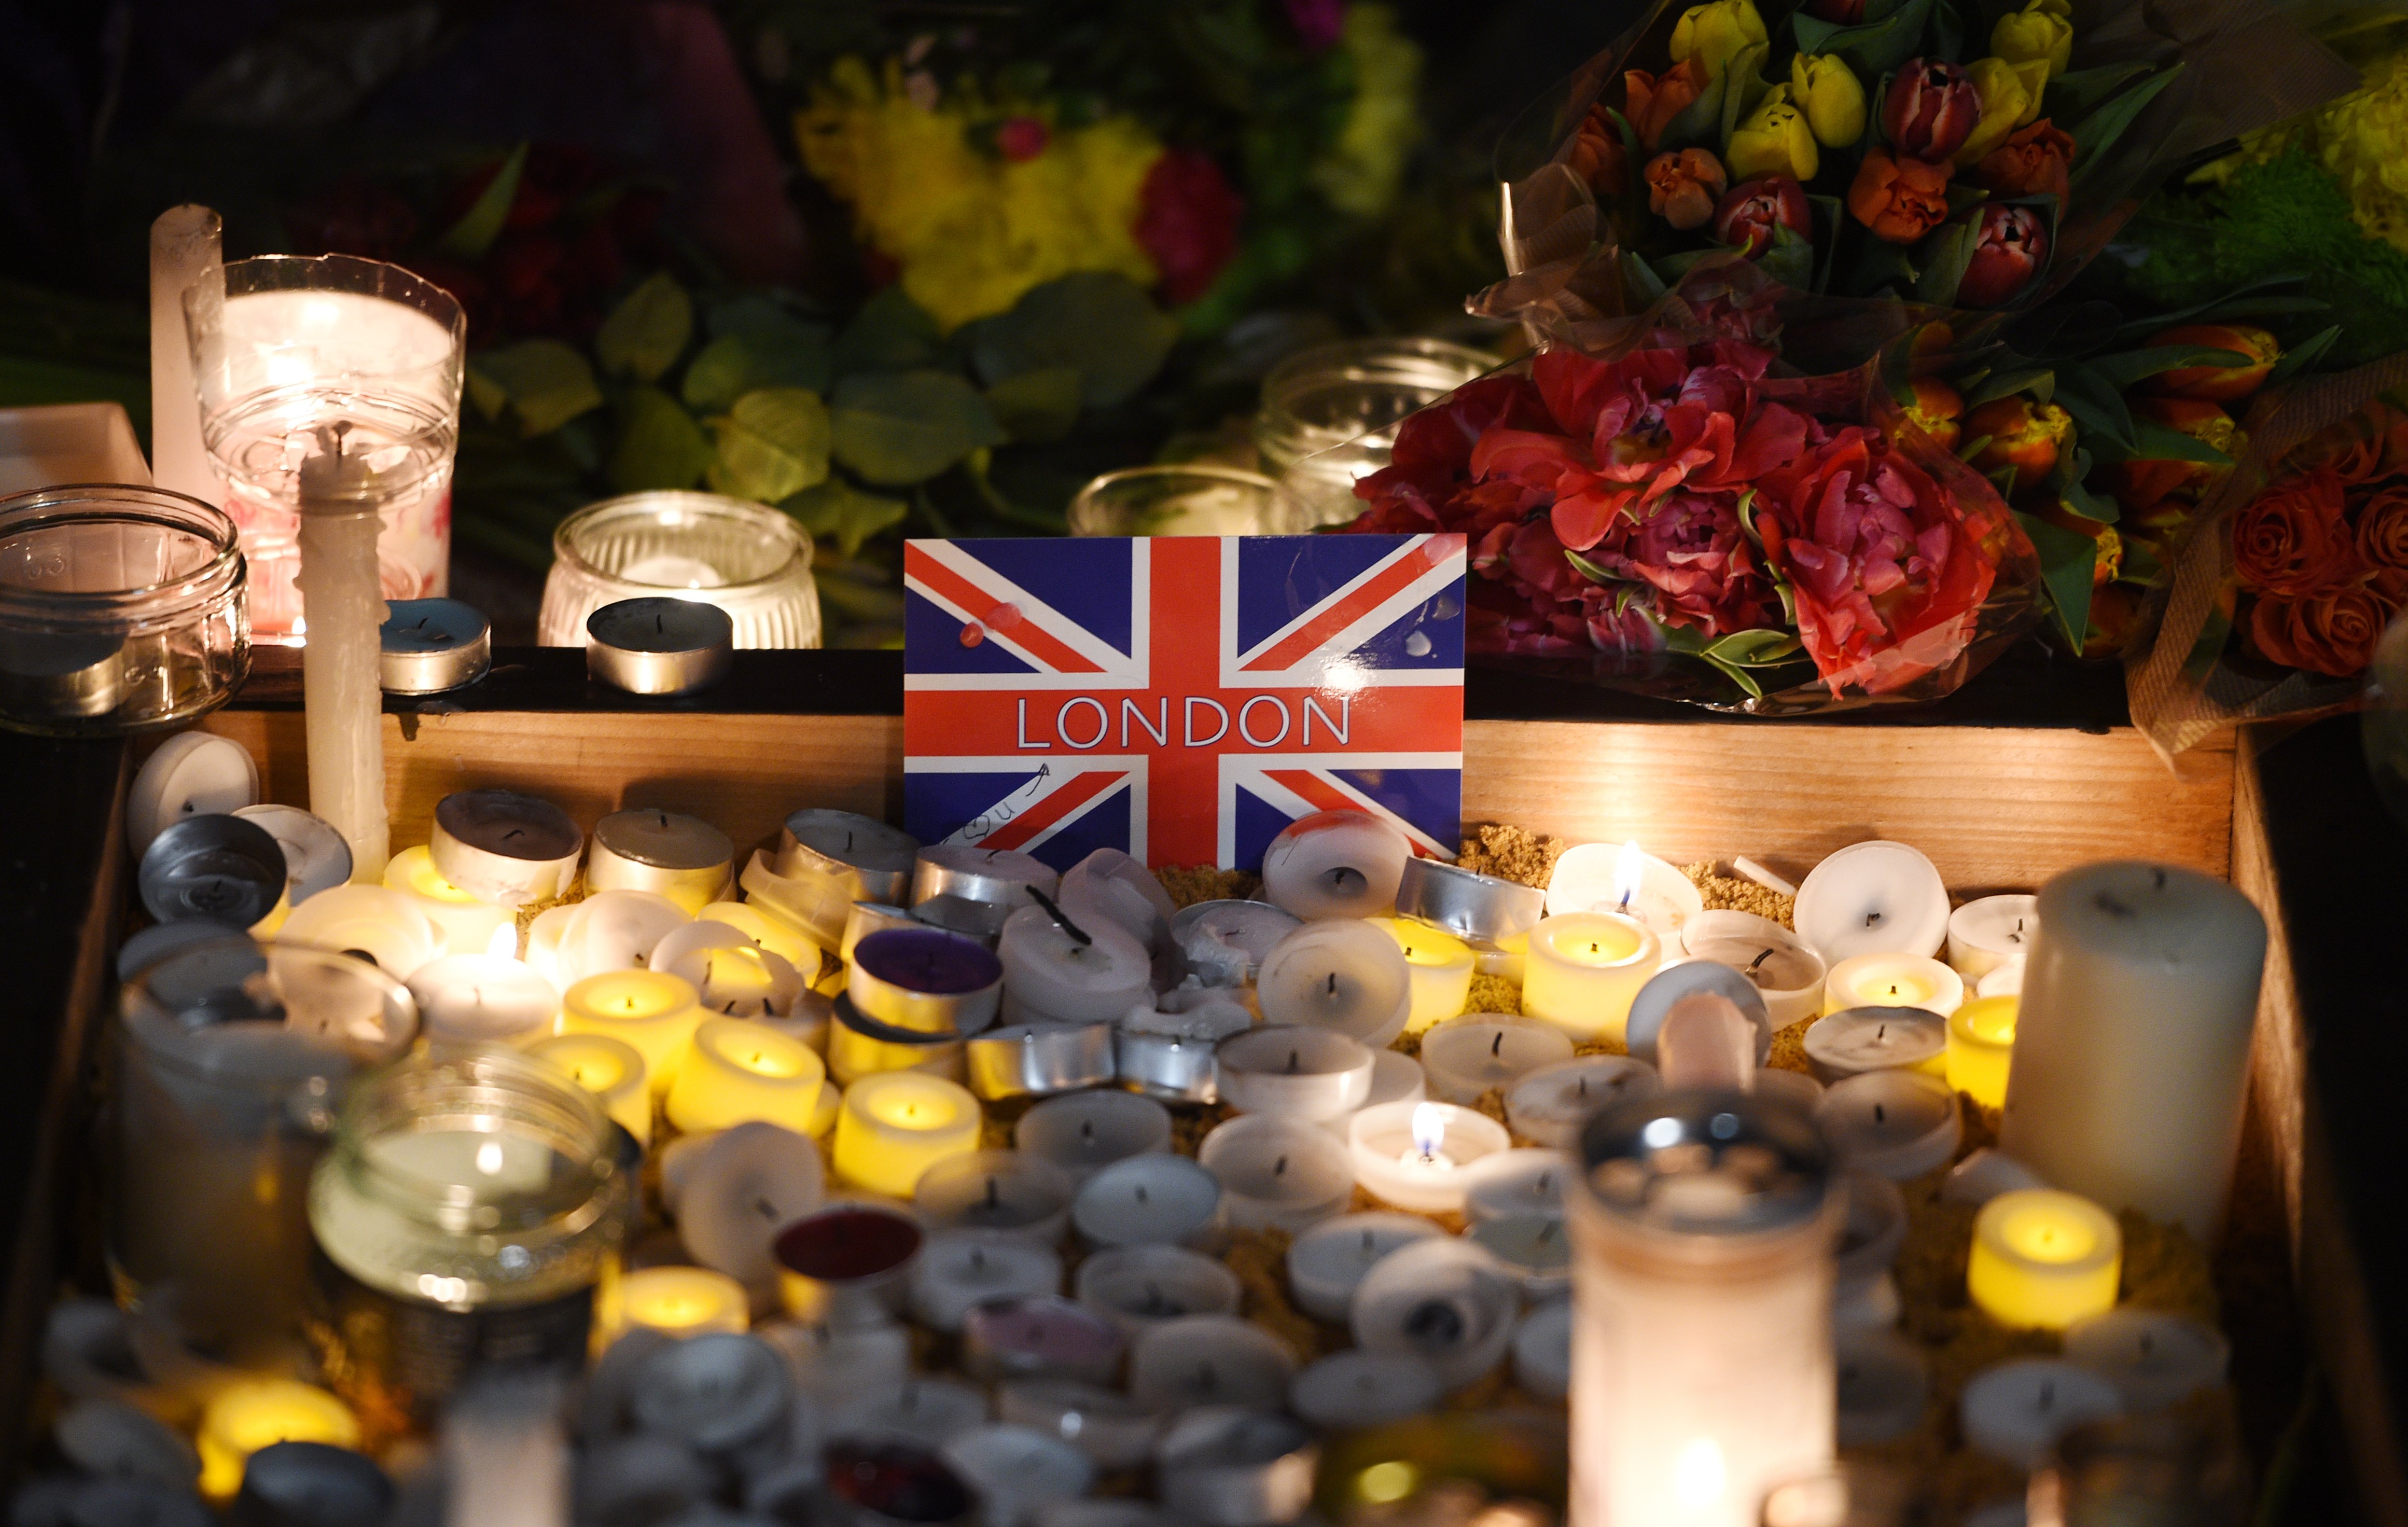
(1773, 140)
(2363, 141)
(1716, 33)
(1360, 172)
(2039, 31)
(1832, 96)
(2010, 94)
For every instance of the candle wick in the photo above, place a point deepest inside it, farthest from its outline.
(1496, 1045)
(1333, 982)
(2146, 1338)
(978, 1257)
(1881, 1113)
(848, 839)
(1061, 920)
(1291, 1062)
(1872, 919)
(2160, 876)
(1547, 1231)
(1754, 964)
(1205, 1377)
(1366, 1241)
(1087, 1130)
(1140, 1193)
(769, 1211)
(1584, 1083)
(1279, 1168)
(2048, 1394)
(1882, 1033)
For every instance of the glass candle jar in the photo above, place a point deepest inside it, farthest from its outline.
(1187, 500)
(746, 558)
(1330, 413)
(122, 609)
(471, 1204)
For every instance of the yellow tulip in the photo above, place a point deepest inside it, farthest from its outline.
(1829, 92)
(2010, 97)
(2037, 32)
(1773, 140)
(1716, 33)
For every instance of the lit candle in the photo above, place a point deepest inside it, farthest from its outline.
(1986, 933)
(1623, 878)
(1893, 981)
(2153, 1358)
(343, 603)
(735, 1070)
(1152, 1199)
(1222, 943)
(1058, 971)
(1551, 1102)
(870, 860)
(504, 848)
(1327, 1261)
(677, 1301)
(652, 1010)
(464, 923)
(996, 876)
(1209, 1359)
(1788, 973)
(1873, 897)
(681, 857)
(482, 1000)
(1464, 1058)
(254, 1413)
(928, 1411)
(1443, 1301)
(1276, 1174)
(732, 977)
(2015, 1411)
(1412, 1154)
(1583, 968)
(2043, 1259)
(1342, 863)
(616, 931)
(611, 1070)
(847, 1267)
(1352, 1390)
(928, 980)
(1861, 1038)
(1142, 1286)
(1439, 966)
(960, 1268)
(384, 924)
(1340, 973)
(1899, 1124)
(764, 932)
(1083, 1133)
(1005, 1192)
(1981, 1046)
(1533, 1248)
(2142, 986)
(1293, 1071)
(896, 1125)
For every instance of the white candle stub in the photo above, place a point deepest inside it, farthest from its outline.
(1083, 1133)
(1622, 877)
(1517, 1181)
(1336, 864)
(1862, 1039)
(316, 858)
(1783, 968)
(1533, 1248)
(931, 1411)
(1108, 885)
(1353, 1389)
(1342, 974)
(1985, 934)
(2015, 1411)
(1899, 1124)
(374, 920)
(1105, 1424)
(482, 1000)
(1327, 1261)
(1142, 1286)
(1983, 1175)
(745, 1185)
(2153, 1358)
(1056, 970)
(1873, 897)
(1551, 1104)
(957, 1269)
(1016, 1469)
(1707, 1041)
(1466, 1056)
(1224, 943)
(1885, 1383)
(1209, 1359)
(192, 774)
(616, 931)
(1293, 1071)
(1147, 1199)
(1893, 980)
(1276, 1174)
(1444, 1301)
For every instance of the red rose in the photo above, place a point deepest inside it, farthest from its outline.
(2382, 529)
(1690, 549)
(1187, 221)
(2333, 631)
(2294, 536)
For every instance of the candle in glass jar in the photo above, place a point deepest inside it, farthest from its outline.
(1893, 981)
(1788, 973)
(482, 1000)
(1550, 1103)
(254, 1413)
(1343, 863)
(1465, 1057)
(736, 1071)
(1582, 969)
(1439, 966)
(464, 923)
(1981, 1048)
(611, 1070)
(896, 1125)
(681, 857)
(678, 1302)
(1412, 1154)
(2043, 1259)
(1276, 1174)
(653, 1012)
(1985, 934)
(1861, 1038)
(1340, 973)
(1058, 971)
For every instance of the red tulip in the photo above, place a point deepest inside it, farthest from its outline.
(1931, 108)
(1845, 13)
(1749, 211)
(2010, 247)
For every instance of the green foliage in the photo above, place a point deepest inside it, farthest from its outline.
(837, 511)
(660, 446)
(483, 223)
(771, 445)
(1040, 405)
(545, 383)
(1097, 325)
(2067, 564)
(896, 429)
(890, 333)
(646, 333)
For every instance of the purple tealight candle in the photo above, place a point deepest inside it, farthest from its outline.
(844, 1267)
(926, 980)
(1040, 1337)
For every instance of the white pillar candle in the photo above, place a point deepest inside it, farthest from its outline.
(896, 1125)
(501, 846)
(1549, 1103)
(1353, 1389)
(681, 857)
(466, 924)
(1108, 886)
(1142, 1286)
(1464, 1058)
(1622, 878)
(960, 1268)
(2153, 1358)
(1209, 1359)
(1885, 1386)
(1705, 1042)
(1985, 934)
(1899, 1124)
(1413, 1154)
(2044, 1259)
(1293, 1071)
(675, 1301)
(1861, 1039)
(745, 1187)
(1543, 1350)
(384, 924)
(735, 1070)
(1340, 973)
(652, 1011)
(1224, 943)
(1017, 1469)
(996, 876)
(1517, 1181)
(873, 861)
(1336, 864)
(1083, 1133)
(616, 931)
(186, 242)
(2131, 1052)
(1783, 968)
(611, 1070)
(1156, 1198)
(1439, 965)
(2015, 1411)
(1893, 981)
(1444, 1301)
(343, 601)
(1873, 897)
(1057, 969)
(1003, 1192)
(482, 1000)
(1105, 1424)
(1276, 1174)
(1327, 1261)
(1533, 1248)
(1582, 969)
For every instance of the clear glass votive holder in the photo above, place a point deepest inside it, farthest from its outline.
(122, 610)
(749, 559)
(1194, 499)
(1330, 413)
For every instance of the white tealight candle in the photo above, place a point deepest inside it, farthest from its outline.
(681, 857)
(1885, 1383)
(1352, 1390)
(2007, 980)
(1861, 1038)
(2153, 1358)
(1532, 1247)
(766, 931)
(739, 979)
(1293, 1071)
(1983, 1175)
(1413, 1154)
(191, 773)
(1005, 1192)
(813, 908)
(744, 1186)
(1550, 1103)
(1083, 1133)
(316, 858)
(1145, 1200)
(1464, 1058)
(1142, 1286)
(1340, 973)
(611, 1070)
(1017, 1469)
(504, 848)
(999, 877)
(1582, 969)
(464, 923)
(898, 1124)
(1985, 934)
(1327, 1261)
(960, 1268)
(1623, 878)
(1543, 1350)
(1209, 1359)
(616, 931)
(1336, 864)
(1784, 969)
(1873, 897)
(1898, 1124)
(482, 1000)
(1893, 981)
(832, 1362)
(1105, 1424)
(1277, 1173)
(1108, 885)
(1224, 943)
(1039, 1336)
(1059, 971)
(1520, 1181)
(1224, 1465)
(1793, 1087)
(2015, 1411)
(930, 1411)
(543, 941)
(1440, 967)
(1444, 1301)
(384, 924)
(735, 1070)
(1395, 1077)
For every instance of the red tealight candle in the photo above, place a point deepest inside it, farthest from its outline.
(844, 1266)
(1040, 1335)
(887, 1480)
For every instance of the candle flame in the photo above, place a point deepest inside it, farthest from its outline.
(1430, 1129)
(504, 942)
(489, 1158)
(1629, 870)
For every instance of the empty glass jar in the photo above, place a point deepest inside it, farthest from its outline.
(747, 559)
(1330, 413)
(1193, 500)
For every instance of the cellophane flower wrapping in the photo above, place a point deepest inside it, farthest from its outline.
(1678, 515)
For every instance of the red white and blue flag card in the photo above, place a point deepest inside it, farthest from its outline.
(1182, 699)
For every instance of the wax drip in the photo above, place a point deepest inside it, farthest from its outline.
(1061, 920)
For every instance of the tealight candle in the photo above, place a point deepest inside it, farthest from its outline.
(616, 931)
(1108, 885)
(1784, 969)
(1395, 1078)
(316, 858)
(2153, 1358)
(1483, 911)
(1412, 1154)
(1293, 1071)
(2015, 1411)
(1898, 1124)
(764, 932)
(1873, 897)
(873, 860)
(1040, 1337)
(1327, 1261)
(1144, 1200)
(1230, 1466)
(504, 848)
(846, 1267)
(1861, 1038)
(1550, 1103)
(1169, 1055)
(1533, 1248)
(1224, 943)
(1623, 878)
(738, 979)
(898, 1124)
(741, 1188)
(831, 1362)
(1981, 1048)
(1669, 985)
(867, 918)
(464, 923)
(191, 773)
(681, 857)
(611, 1070)
(677, 1301)
(1209, 1359)
(1983, 1175)
(1083, 1133)
(2005, 980)
(1340, 973)
(543, 941)
(960, 1268)
(1057, 970)
(307, 1482)
(2043, 1259)
(930, 982)
(1106, 1425)
(384, 924)
(1336, 864)
(653, 1012)
(1440, 967)
(859, 1046)
(659, 646)
(1277, 1173)
(1517, 1181)
(1005, 1193)
(1543, 1350)
(812, 909)
(219, 868)
(1893, 981)
(980, 920)
(723, 1393)
(929, 1411)
(1350, 1390)
(1583, 968)
(1037, 1059)
(1795, 1087)
(997, 876)
(735, 1070)
(1985, 934)
(427, 646)
(254, 1413)
(1885, 1383)
(1444, 1301)
(482, 1000)
(1016, 1469)
(1464, 1058)
(1140, 1286)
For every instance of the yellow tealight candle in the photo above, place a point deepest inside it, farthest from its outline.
(257, 1413)
(466, 924)
(1893, 981)
(676, 1301)
(896, 1125)
(776, 935)
(1582, 969)
(611, 1070)
(1981, 1044)
(1438, 964)
(2045, 1258)
(653, 1012)
(736, 1071)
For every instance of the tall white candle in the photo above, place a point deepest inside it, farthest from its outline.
(342, 700)
(184, 249)
(2131, 1049)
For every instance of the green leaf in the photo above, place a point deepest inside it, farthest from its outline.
(2096, 406)
(2099, 130)
(2125, 370)
(483, 223)
(786, 349)
(660, 446)
(903, 427)
(1788, 600)
(1872, 48)
(838, 511)
(2226, 305)
(1037, 406)
(1745, 508)
(1945, 255)
(1644, 283)
(773, 444)
(1758, 648)
(1099, 324)
(1790, 260)
(2067, 562)
(2077, 93)
(545, 382)
(1967, 449)
(2303, 354)
(890, 333)
(1737, 676)
(647, 331)
(2038, 381)
(717, 377)
(2154, 441)
(1743, 87)
(1590, 570)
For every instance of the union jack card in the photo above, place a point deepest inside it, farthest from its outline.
(1180, 698)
